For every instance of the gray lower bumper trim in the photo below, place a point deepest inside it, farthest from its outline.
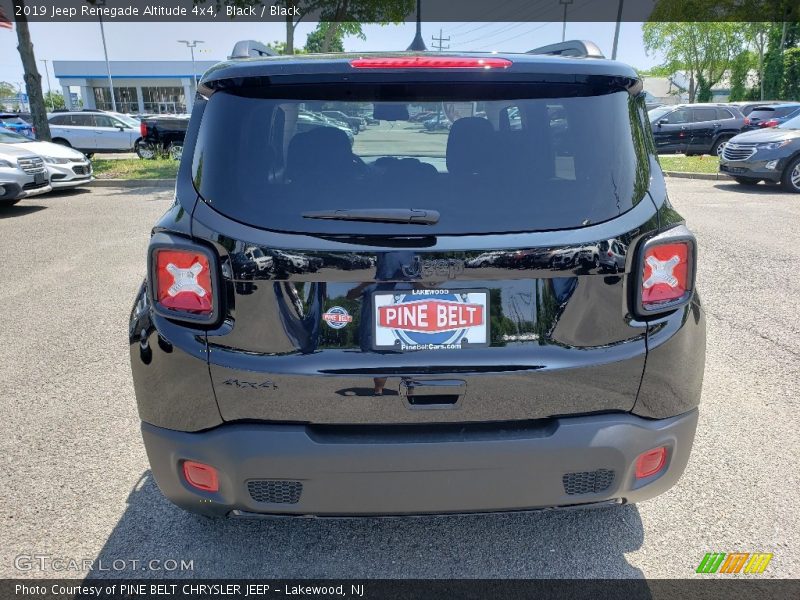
(423, 472)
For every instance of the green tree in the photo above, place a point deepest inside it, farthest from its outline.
(756, 35)
(54, 100)
(345, 17)
(323, 40)
(700, 48)
(7, 89)
(740, 68)
(791, 74)
(773, 64)
(33, 81)
(704, 93)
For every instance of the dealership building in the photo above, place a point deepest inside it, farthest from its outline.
(139, 86)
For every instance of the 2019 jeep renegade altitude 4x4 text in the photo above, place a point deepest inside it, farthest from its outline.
(367, 363)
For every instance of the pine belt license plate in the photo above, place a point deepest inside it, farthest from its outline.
(438, 319)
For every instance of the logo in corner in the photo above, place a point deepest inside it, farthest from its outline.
(337, 317)
(734, 562)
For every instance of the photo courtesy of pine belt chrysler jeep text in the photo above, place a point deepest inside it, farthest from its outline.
(498, 314)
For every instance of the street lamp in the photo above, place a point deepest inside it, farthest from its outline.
(418, 44)
(105, 52)
(191, 46)
(564, 30)
(49, 91)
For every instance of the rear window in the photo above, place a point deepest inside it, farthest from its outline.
(12, 120)
(773, 113)
(486, 164)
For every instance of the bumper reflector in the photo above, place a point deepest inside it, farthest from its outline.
(200, 476)
(651, 462)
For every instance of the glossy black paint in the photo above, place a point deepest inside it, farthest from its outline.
(564, 338)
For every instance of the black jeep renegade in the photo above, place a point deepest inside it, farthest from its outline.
(497, 313)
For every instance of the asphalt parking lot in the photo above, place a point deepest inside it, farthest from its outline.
(76, 483)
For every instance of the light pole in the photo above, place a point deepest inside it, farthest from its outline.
(191, 46)
(418, 44)
(616, 31)
(564, 30)
(49, 91)
(105, 53)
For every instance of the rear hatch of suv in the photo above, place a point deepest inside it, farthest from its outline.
(419, 275)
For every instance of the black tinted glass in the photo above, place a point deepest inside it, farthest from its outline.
(486, 165)
(704, 114)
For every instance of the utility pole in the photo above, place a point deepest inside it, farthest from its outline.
(616, 31)
(564, 30)
(49, 91)
(437, 42)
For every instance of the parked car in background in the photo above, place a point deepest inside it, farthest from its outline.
(771, 116)
(355, 123)
(162, 135)
(93, 131)
(694, 128)
(771, 154)
(612, 255)
(651, 105)
(437, 123)
(14, 122)
(66, 167)
(308, 121)
(747, 106)
(22, 174)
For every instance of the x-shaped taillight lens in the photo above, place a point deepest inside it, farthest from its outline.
(183, 281)
(666, 273)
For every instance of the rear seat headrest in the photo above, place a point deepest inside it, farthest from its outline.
(322, 152)
(469, 146)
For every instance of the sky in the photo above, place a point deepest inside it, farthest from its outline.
(158, 41)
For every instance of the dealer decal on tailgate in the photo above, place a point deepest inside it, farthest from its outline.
(431, 319)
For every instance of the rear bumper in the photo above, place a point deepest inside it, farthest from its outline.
(340, 471)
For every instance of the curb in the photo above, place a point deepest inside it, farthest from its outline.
(709, 176)
(134, 183)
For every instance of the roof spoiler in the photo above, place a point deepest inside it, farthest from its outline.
(250, 49)
(577, 48)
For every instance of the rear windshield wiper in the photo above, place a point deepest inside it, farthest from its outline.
(415, 216)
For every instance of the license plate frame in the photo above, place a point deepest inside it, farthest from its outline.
(39, 178)
(460, 306)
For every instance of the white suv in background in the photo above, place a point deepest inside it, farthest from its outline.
(66, 167)
(93, 131)
(22, 174)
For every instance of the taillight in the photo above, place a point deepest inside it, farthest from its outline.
(143, 129)
(609, 253)
(430, 62)
(182, 280)
(770, 123)
(666, 275)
